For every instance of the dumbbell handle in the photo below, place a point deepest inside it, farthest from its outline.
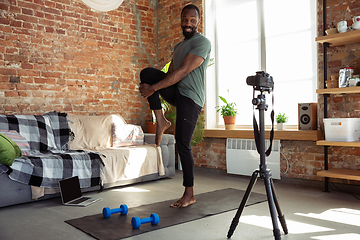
(116, 210)
(146, 220)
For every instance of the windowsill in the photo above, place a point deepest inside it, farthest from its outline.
(302, 135)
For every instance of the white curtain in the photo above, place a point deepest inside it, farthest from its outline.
(103, 5)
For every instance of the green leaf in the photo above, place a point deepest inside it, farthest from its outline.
(228, 109)
(281, 118)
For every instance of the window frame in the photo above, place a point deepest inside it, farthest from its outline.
(212, 84)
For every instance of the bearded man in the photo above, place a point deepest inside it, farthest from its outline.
(183, 86)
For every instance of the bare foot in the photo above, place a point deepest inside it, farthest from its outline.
(186, 200)
(160, 129)
(161, 125)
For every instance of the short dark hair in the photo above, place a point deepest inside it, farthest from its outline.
(191, 6)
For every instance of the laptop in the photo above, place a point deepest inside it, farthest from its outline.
(71, 193)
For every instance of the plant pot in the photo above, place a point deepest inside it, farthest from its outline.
(281, 126)
(151, 127)
(229, 122)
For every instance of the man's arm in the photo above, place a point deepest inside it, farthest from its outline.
(189, 63)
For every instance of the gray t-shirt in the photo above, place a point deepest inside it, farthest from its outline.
(193, 85)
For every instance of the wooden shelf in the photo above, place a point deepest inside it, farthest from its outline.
(343, 90)
(340, 144)
(349, 174)
(339, 39)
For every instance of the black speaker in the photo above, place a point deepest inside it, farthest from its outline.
(307, 116)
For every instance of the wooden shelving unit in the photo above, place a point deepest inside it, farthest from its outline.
(333, 40)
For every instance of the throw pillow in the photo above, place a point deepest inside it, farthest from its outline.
(91, 132)
(126, 135)
(18, 140)
(8, 150)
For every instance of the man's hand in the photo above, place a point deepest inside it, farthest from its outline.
(146, 90)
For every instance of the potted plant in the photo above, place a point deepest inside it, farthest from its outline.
(198, 135)
(332, 29)
(281, 120)
(151, 124)
(228, 112)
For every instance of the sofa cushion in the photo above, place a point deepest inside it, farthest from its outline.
(8, 150)
(90, 132)
(18, 140)
(93, 132)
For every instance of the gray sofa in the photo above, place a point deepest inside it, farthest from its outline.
(13, 192)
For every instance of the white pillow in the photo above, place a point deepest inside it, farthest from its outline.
(126, 135)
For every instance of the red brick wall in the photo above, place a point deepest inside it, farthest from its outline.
(60, 55)
(299, 159)
(210, 153)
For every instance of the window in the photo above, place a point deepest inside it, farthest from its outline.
(276, 36)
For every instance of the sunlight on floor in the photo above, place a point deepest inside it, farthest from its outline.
(130, 189)
(293, 226)
(347, 236)
(339, 215)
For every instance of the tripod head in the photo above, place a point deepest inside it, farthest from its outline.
(260, 102)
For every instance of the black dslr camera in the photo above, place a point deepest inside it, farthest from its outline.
(262, 81)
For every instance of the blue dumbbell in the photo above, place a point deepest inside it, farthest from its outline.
(136, 221)
(123, 209)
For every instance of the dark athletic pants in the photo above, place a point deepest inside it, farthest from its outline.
(187, 112)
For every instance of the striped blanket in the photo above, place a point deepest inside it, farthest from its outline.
(50, 159)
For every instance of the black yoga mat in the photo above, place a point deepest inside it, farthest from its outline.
(207, 204)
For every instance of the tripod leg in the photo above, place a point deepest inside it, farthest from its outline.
(280, 215)
(270, 198)
(235, 220)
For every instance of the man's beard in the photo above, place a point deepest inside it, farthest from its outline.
(188, 35)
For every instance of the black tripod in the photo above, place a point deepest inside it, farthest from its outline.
(265, 174)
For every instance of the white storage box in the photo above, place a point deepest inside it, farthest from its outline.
(342, 129)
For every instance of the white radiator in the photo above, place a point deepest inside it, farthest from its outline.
(242, 157)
